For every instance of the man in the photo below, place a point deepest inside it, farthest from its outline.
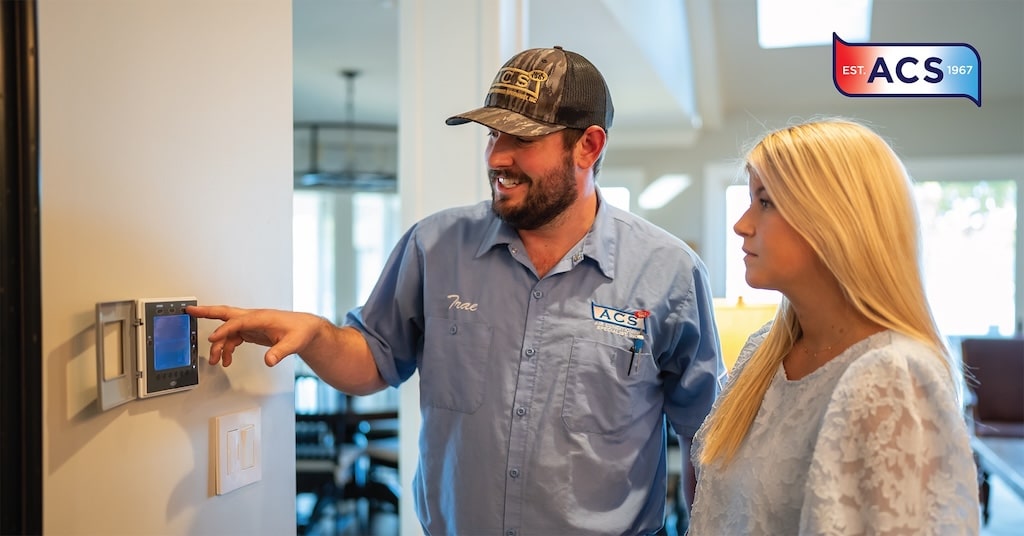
(553, 333)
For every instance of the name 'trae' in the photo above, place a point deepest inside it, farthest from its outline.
(460, 305)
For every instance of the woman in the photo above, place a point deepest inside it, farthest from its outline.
(843, 415)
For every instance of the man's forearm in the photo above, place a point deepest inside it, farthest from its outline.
(341, 357)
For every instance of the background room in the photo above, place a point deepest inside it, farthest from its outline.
(692, 85)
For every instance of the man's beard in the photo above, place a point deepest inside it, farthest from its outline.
(546, 198)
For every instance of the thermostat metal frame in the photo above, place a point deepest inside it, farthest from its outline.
(140, 376)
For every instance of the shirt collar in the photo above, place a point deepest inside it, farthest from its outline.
(599, 244)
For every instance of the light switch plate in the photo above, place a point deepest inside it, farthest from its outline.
(238, 447)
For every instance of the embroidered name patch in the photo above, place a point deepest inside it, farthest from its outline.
(629, 324)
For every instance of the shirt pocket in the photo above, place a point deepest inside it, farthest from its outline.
(600, 394)
(455, 357)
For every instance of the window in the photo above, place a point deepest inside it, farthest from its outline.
(969, 234)
(313, 253)
(374, 232)
(341, 241)
(617, 196)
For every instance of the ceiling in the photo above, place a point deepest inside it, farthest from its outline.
(660, 97)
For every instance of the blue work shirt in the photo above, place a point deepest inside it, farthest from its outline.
(534, 421)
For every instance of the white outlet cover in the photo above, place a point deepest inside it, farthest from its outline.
(237, 442)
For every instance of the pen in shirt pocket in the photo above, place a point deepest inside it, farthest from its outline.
(638, 345)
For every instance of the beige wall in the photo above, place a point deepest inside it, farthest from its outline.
(166, 164)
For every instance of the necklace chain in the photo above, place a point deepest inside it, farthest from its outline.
(814, 354)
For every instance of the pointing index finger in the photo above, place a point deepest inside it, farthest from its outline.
(213, 312)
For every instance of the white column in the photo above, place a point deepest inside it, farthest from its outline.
(449, 51)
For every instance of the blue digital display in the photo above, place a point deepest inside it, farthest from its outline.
(171, 338)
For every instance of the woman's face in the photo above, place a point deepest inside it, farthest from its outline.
(777, 257)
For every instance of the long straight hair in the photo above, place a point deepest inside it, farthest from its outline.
(844, 190)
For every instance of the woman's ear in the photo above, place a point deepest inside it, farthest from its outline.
(590, 146)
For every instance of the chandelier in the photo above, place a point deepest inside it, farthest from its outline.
(347, 155)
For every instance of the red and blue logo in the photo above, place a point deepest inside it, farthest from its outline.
(906, 69)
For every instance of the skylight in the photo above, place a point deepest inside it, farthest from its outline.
(804, 23)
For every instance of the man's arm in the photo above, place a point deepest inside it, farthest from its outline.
(339, 356)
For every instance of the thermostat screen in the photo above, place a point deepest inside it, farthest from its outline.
(171, 342)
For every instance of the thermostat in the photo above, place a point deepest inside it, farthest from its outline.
(145, 347)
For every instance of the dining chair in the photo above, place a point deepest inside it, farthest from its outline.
(994, 371)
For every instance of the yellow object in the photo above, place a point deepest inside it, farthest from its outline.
(736, 321)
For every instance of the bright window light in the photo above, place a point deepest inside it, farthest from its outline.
(616, 196)
(662, 190)
(804, 23)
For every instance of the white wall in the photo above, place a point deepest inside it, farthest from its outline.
(166, 165)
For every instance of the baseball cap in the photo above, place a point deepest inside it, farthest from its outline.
(543, 90)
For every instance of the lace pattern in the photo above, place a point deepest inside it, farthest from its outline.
(871, 443)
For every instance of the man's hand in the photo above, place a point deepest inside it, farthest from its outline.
(285, 332)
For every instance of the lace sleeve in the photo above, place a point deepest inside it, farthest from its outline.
(893, 455)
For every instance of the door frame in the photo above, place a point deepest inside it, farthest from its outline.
(21, 437)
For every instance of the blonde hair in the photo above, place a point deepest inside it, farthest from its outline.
(844, 190)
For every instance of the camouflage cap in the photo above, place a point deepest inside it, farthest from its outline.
(543, 90)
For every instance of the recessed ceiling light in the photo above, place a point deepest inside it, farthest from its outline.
(662, 190)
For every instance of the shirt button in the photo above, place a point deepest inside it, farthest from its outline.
(537, 294)
(514, 473)
(520, 411)
(453, 329)
(510, 532)
(530, 352)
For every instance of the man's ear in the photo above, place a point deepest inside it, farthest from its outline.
(590, 146)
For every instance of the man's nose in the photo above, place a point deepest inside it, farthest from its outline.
(500, 151)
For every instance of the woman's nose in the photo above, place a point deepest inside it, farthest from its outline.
(743, 227)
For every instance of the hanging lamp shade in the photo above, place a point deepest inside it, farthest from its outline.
(367, 153)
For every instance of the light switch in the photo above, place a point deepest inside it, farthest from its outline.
(237, 444)
(233, 454)
(247, 448)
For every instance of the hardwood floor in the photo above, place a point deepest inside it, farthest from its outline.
(1007, 519)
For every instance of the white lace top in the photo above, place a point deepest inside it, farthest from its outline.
(870, 443)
